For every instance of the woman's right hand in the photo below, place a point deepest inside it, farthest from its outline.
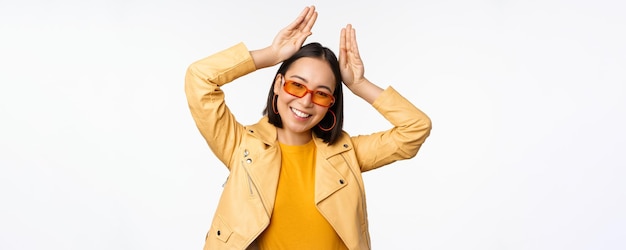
(288, 41)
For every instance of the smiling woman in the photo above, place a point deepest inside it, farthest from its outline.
(295, 176)
(317, 67)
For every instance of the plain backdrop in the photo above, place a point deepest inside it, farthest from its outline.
(98, 149)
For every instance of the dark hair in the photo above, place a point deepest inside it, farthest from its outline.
(313, 50)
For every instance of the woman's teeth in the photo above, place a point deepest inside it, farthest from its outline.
(300, 113)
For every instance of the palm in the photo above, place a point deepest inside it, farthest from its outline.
(352, 69)
(290, 39)
(288, 43)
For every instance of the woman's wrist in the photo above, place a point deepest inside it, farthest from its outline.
(264, 57)
(367, 90)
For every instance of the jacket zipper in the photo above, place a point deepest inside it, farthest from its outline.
(251, 185)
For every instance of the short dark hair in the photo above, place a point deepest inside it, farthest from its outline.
(313, 50)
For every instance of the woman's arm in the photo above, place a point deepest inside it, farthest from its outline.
(411, 125)
(410, 129)
(205, 77)
(205, 97)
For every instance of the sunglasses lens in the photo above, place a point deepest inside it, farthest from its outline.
(322, 99)
(295, 89)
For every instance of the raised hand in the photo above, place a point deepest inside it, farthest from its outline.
(352, 69)
(290, 39)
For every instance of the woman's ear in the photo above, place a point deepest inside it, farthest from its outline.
(277, 83)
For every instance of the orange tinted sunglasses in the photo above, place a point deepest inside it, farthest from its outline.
(299, 90)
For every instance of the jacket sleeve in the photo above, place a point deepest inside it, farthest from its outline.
(206, 99)
(411, 128)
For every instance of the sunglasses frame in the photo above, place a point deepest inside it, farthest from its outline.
(284, 83)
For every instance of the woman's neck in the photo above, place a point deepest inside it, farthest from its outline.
(293, 138)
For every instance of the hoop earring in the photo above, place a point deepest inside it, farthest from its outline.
(275, 104)
(334, 122)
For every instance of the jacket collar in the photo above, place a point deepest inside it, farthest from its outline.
(266, 132)
(328, 179)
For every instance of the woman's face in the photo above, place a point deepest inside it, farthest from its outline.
(300, 114)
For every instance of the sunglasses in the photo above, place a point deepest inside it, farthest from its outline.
(299, 90)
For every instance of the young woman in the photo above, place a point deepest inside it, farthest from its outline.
(295, 177)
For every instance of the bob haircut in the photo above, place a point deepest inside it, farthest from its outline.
(313, 50)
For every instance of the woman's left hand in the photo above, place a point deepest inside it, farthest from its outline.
(352, 69)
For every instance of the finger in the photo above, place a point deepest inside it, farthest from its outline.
(305, 31)
(353, 43)
(310, 21)
(352, 48)
(296, 23)
(348, 38)
(342, 47)
(307, 17)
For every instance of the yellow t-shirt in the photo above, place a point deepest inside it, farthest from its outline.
(295, 221)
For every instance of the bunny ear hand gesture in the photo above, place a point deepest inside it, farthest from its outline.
(291, 38)
(352, 69)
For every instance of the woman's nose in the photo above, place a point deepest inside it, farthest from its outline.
(306, 100)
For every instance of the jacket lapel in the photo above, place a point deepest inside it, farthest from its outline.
(330, 174)
(266, 168)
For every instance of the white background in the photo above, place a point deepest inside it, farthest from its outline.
(98, 149)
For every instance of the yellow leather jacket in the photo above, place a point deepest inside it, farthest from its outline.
(252, 155)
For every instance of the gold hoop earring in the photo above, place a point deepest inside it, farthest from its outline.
(334, 122)
(275, 104)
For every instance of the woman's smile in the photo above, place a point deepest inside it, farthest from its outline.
(300, 114)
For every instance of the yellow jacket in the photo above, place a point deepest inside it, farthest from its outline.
(252, 155)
